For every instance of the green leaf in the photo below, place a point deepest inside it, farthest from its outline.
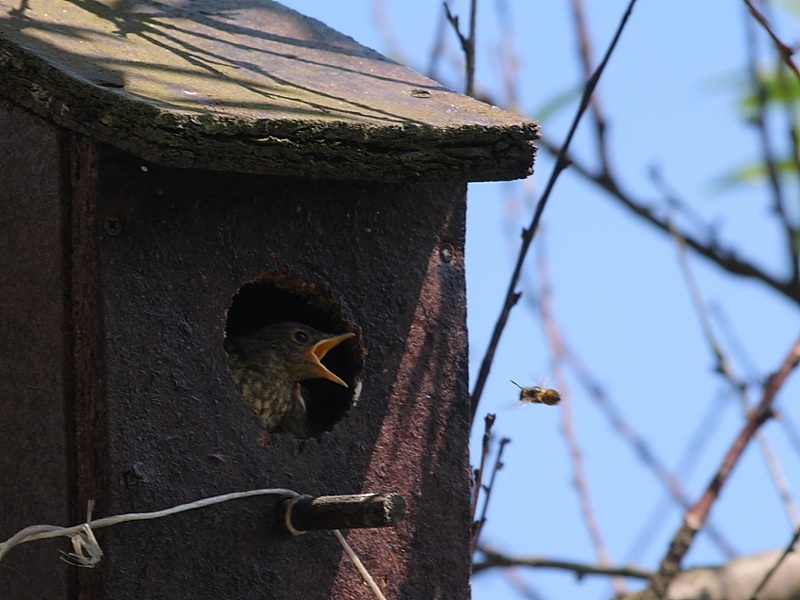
(779, 88)
(558, 102)
(751, 173)
(792, 6)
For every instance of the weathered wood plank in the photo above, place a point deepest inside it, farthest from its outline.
(249, 87)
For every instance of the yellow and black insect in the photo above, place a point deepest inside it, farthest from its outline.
(537, 395)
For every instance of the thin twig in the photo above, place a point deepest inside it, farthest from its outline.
(722, 365)
(494, 559)
(686, 464)
(770, 573)
(767, 152)
(562, 161)
(696, 516)
(784, 213)
(498, 464)
(791, 432)
(439, 45)
(723, 257)
(724, 368)
(784, 51)
(508, 59)
(673, 201)
(390, 45)
(760, 120)
(647, 456)
(632, 437)
(567, 422)
(585, 53)
(478, 482)
(779, 479)
(467, 43)
(473, 11)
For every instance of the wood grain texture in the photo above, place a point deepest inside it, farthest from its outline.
(249, 87)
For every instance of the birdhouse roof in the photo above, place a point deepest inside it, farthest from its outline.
(247, 86)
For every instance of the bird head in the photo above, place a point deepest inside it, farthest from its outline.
(292, 348)
(312, 345)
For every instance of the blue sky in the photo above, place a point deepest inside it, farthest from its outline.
(619, 295)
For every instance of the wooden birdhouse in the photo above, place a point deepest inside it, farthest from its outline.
(176, 176)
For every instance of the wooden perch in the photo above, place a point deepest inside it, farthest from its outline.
(307, 513)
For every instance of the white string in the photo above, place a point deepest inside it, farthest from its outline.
(359, 565)
(42, 532)
(87, 552)
(287, 515)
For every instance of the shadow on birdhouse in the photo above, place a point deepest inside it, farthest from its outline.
(155, 157)
(323, 354)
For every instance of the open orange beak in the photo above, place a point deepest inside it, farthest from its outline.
(318, 352)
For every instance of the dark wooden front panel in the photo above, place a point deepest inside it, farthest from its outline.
(35, 365)
(175, 246)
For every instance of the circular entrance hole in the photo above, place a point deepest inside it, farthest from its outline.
(266, 358)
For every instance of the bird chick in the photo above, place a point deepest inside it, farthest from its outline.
(268, 365)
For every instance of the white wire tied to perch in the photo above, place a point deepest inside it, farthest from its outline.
(87, 552)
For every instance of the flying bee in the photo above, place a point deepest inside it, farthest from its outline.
(537, 395)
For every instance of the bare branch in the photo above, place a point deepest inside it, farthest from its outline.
(508, 62)
(567, 422)
(562, 162)
(759, 118)
(498, 464)
(478, 482)
(494, 559)
(696, 516)
(720, 582)
(723, 257)
(467, 44)
(784, 51)
(383, 25)
(640, 445)
(724, 368)
(439, 45)
(777, 564)
(585, 53)
(767, 152)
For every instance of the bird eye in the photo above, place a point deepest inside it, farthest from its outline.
(301, 337)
